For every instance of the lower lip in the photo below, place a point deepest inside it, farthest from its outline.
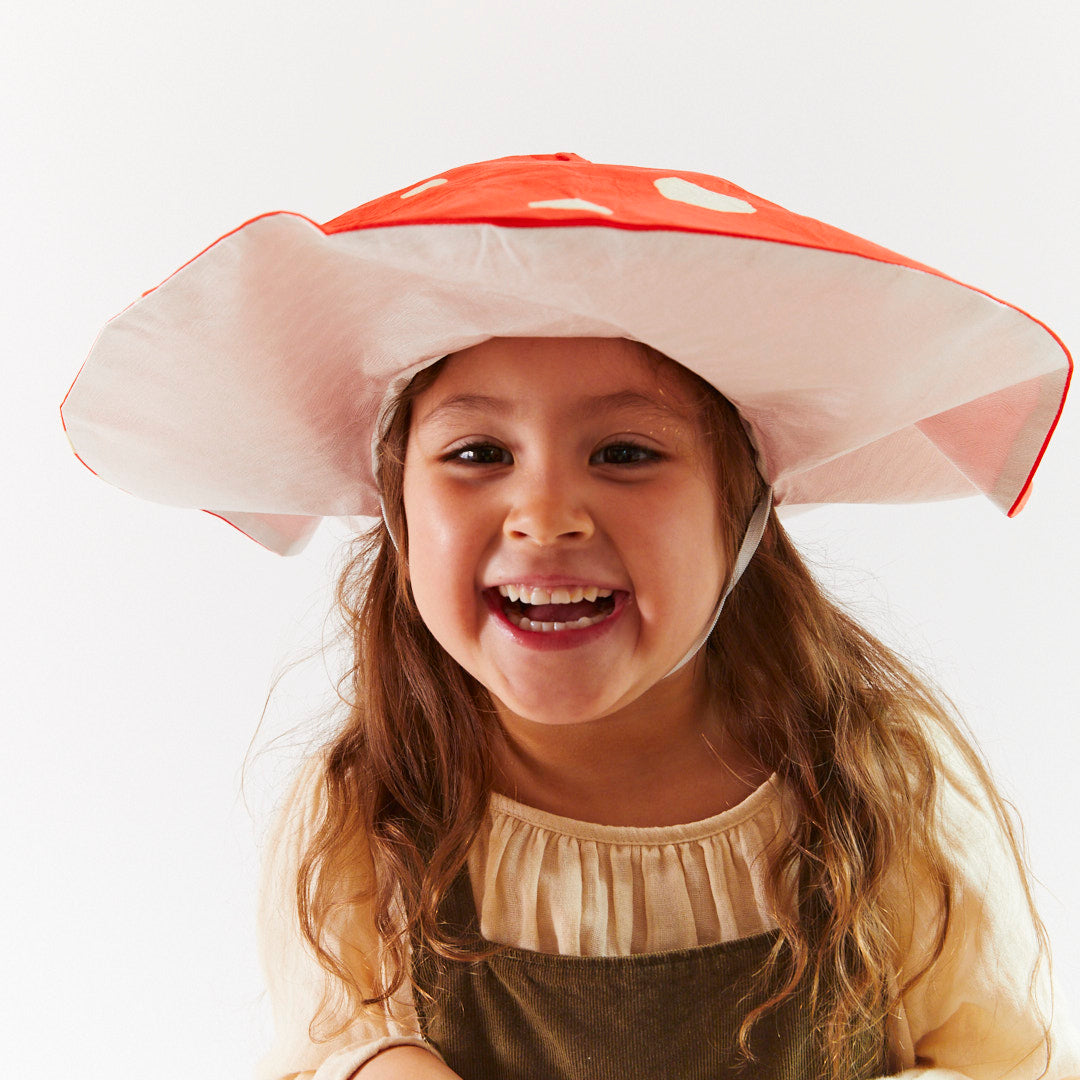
(546, 640)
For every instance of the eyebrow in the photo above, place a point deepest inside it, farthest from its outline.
(460, 404)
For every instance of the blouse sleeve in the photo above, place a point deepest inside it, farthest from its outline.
(978, 1013)
(294, 978)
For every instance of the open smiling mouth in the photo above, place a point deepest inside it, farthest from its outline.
(551, 610)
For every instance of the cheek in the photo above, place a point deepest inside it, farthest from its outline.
(442, 569)
(430, 581)
(690, 564)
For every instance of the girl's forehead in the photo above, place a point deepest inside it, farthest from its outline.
(612, 372)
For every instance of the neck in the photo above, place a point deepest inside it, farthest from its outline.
(665, 759)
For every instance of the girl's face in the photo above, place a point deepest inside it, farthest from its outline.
(563, 533)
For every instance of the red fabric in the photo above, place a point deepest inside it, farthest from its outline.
(499, 192)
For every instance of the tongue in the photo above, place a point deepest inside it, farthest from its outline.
(560, 612)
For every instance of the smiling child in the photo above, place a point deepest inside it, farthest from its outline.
(617, 790)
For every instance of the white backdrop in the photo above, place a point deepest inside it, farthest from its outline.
(140, 640)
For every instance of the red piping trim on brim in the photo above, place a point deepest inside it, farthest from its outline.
(225, 236)
(68, 394)
(241, 531)
(80, 460)
(1025, 491)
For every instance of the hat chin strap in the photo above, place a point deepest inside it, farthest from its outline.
(754, 531)
(386, 524)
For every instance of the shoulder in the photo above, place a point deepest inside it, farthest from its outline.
(309, 832)
(304, 993)
(983, 984)
(290, 826)
(979, 829)
(982, 863)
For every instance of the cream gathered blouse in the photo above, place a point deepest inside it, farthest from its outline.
(551, 884)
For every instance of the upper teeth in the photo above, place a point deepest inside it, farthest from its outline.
(529, 595)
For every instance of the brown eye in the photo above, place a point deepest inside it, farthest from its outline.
(481, 454)
(624, 454)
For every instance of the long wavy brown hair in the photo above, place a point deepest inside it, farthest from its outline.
(852, 731)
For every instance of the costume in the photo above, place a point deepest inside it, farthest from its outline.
(550, 885)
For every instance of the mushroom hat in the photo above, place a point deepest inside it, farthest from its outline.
(250, 383)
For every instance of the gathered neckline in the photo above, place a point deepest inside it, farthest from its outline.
(767, 794)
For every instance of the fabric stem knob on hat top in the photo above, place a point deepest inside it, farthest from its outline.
(250, 382)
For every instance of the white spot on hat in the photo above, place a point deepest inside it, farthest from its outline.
(679, 190)
(423, 187)
(570, 204)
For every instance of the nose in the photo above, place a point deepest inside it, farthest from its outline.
(547, 509)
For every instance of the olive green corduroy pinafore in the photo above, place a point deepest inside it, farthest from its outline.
(524, 1015)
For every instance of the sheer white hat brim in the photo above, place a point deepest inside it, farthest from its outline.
(249, 383)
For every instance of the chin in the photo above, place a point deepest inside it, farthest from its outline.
(568, 710)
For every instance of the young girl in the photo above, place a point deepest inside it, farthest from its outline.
(618, 791)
